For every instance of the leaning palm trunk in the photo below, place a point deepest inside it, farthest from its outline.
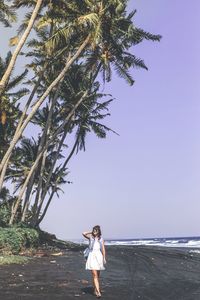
(25, 109)
(41, 146)
(47, 206)
(53, 164)
(36, 217)
(28, 197)
(18, 127)
(55, 186)
(4, 172)
(34, 166)
(22, 41)
(37, 211)
(41, 100)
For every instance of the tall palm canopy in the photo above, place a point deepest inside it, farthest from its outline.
(73, 49)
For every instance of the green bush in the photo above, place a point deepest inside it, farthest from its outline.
(5, 214)
(15, 239)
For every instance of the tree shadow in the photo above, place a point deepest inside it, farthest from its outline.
(88, 290)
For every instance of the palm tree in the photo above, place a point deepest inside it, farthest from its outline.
(57, 179)
(9, 109)
(96, 34)
(68, 63)
(5, 79)
(24, 156)
(119, 36)
(34, 166)
(83, 23)
(7, 14)
(86, 121)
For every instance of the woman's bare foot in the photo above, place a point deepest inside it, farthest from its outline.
(98, 294)
(95, 292)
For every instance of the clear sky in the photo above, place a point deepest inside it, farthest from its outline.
(145, 182)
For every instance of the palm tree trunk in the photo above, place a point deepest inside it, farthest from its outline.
(25, 109)
(59, 148)
(52, 167)
(42, 98)
(34, 219)
(45, 191)
(46, 207)
(4, 172)
(27, 197)
(22, 41)
(42, 144)
(33, 91)
(34, 166)
(19, 125)
(55, 186)
(28, 103)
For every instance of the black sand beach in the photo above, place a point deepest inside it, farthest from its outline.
(142, 273)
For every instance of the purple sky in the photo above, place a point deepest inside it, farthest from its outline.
(145, 182)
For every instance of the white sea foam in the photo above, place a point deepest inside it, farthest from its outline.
(185, 242)
(195, 251)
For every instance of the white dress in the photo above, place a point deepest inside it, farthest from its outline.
(95, 257)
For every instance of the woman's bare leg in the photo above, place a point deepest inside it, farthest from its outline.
(95, 276)
(98, 273)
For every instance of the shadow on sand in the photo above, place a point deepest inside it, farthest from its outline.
(88, 290)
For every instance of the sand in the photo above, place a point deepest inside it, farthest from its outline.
(132, 272)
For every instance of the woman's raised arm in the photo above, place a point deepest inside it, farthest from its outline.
(87, 234)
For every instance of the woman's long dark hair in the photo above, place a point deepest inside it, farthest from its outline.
(98, 229)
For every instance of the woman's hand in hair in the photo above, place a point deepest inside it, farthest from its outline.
(87, 234)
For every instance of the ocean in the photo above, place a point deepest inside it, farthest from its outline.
(180, 242)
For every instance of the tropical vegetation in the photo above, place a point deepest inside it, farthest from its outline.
(72, 49)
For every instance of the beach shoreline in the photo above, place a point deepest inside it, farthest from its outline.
(132, 272)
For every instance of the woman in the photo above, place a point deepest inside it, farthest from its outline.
(97, 256)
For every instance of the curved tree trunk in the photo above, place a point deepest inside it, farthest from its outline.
(25, 109)
(53, 164)
(41, 100)
(52, 167)
(54, 188)
(41, 145)
(22, 41)
(34, 166)
(19, 125)
(4, 172)
(28, 197)
(46, 207)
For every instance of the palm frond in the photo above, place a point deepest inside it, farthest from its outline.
(131, 14)
(131, 60)
(62, 34)
(7, 14)
(137, 35)
(123, 73)
(17, 79)
(19, 94)
(91, 19)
